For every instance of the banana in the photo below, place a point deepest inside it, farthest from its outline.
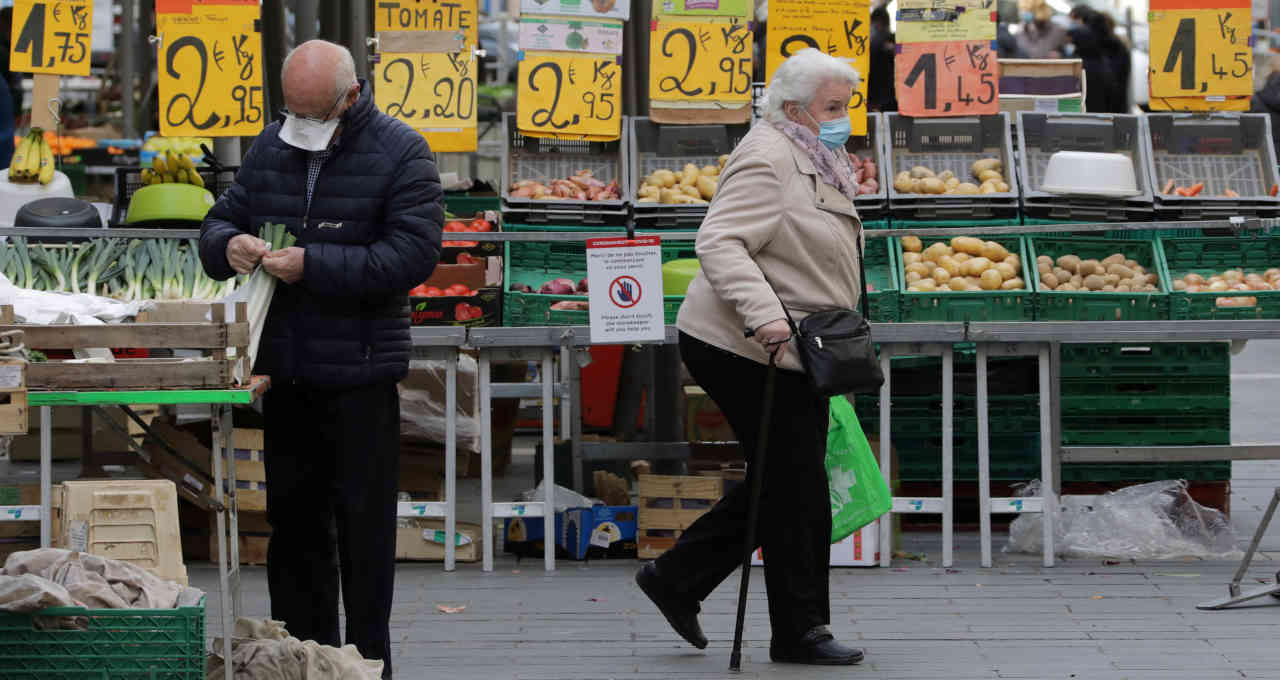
(182, 176)
(196, 179)
(186, 163)
(173, 161)
(17, 168)
(33, 158)
(146, 175)
(46, 162)
(157, 164)
(168, 178)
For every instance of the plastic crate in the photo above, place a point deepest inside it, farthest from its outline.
(1013, 458)
(1040, 135)
(546, 159)
(655, 146)
(915, 416)
(882, 305)
(121, 644)
(1098, 306)
(1156, 360)
(955, 224)
(129, 180)
(534, 263)
(463, 203)
(1209, 256)
(1223, 150)
(987, 305)
(1081, 395)
(949, 144)
(1146, 429)
(1211, 471)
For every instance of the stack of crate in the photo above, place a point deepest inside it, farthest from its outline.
(668, 505)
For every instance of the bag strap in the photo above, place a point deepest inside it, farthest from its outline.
(862, 281)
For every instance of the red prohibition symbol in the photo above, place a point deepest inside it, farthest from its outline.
(625, 291)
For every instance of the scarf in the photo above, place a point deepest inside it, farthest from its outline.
(833, 166)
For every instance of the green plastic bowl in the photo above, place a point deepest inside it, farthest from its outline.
(677, 275)
(170, 202)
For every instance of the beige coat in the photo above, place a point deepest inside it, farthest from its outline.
(771, 212)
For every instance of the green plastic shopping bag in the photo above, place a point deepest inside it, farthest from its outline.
(859, 494)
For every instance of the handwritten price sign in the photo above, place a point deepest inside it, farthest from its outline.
(947, 79)
(433, 93)
(562, 94)
(210, 63)
(933, 21)
(1200, 51)
(691, 60)
(51, 37)
(840, 29)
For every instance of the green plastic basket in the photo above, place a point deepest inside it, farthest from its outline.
(955, 224)
(882, 305)
(1153, 361)
(465, 204)
(987, 305)
(1098, 306)
(546, 228)
(1150, 394)
(1147, 429)
(1212, 471)
(120, 644)
(1209, 256)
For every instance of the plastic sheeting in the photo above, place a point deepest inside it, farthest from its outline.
(261, 649)
(41, 307)
(422, 392)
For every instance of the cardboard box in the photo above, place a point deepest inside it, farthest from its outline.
(470, 275)
(130, 520)
(524, 535)
(19, 494)
(600, 531)
(422, 540)
(703, 421)
(1042, 85)
(861, 549)
(482, 309)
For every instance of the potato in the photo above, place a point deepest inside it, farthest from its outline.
(666, 177)
(1013, 284)
(917, 185)
(667, 196)
(991, 280)
(1004, 187)
(1050, 280)
(951, 183)
(994, 251)
(910, 258)
(967, 244)
(1066, 287)
(1006, 270)
(650, 191)
(976, 266)
(690, 191)
(1219, 286)
(920, 268)
(1077, 281)
(913, 277)
(921, 172)
(724, 158)
(935, 251)
(950, 265)
(1043, 269)
(902, 183)
(1013, 260)
(690, 174)
(1045, 259)
(1123, 288)
(932, 185)
(1094, 282)
(1113, 259)
(967, 188)
(1132, 264)
(706, 186)
(1070, 263)
(940, 275)
(912, 244)
(1111, 279)
(653, 181)
(962, 257)
(989, 188)
(1089, 267)
(1120, 270)
(990, 175)
(1179, 284)
(986, 164)
(946, 175)
(927, 285)
(957, 284)
(710, 171)
(973, 287)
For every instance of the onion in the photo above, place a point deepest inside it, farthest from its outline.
(582, 286)
(557, 287)
(519, 288)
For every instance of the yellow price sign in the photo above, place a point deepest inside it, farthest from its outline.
(564, 94)
(841, 29)
(51, 37)
(428, 15)
(706, 61)
(1200, 48)
(951, 21)
(434, 93)
(210, 64)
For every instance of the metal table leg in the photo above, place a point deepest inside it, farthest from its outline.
(46, 476)
(486, 460)
(548, 461)
(1048, 450)
(948, 455)
(886, 457)
(220, 446)
(451, 461)
(1235, 596)
(984, 456)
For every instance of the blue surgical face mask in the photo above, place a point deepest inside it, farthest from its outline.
(1028, 17)
(833, 133)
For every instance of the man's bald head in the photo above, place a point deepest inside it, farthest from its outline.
(315, 75)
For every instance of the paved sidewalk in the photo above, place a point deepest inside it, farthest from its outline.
(1081, 619)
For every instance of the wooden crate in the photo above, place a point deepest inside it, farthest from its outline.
(668, 505)
(13, 396)
(212, 371)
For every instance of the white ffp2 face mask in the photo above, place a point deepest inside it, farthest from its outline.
(307, 134)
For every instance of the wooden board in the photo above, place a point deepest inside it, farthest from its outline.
(667, 506)
(671, 486)
(132, 374)
(699, 115)
(143, 335)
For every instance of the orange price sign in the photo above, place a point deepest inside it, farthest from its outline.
(947, 79)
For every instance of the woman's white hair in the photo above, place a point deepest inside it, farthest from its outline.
(800, 76)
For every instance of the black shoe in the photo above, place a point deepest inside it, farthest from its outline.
(818, 647)
(682, 616)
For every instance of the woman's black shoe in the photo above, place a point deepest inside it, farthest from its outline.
(818, 648)
(682, 616)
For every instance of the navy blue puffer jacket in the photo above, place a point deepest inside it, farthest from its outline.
(372, 232)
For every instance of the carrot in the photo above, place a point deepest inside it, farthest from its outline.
(1196, 188)
(1229, 193)
(1168, 187)
(1181, 191)
(1274, 189)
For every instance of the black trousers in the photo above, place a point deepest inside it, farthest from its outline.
(795, 513)
(332, 461)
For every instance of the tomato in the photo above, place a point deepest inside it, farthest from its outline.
(419, 290)
(456, 290)
(455, 226)
(466, 258)
(460, 244)
(476, 312)
(432, 291)
(480, 224)
(462, 312)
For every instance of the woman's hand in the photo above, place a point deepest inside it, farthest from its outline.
(773, 336)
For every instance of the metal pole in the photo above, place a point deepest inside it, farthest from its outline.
(305, 21)
(948, 454)
(46, 475)
(128, 66)
(359, 31)
(1049, 447)
(549, 461)
(227, 149)
(486, 464)
(886, 459)
(450, 460)
(984, 456)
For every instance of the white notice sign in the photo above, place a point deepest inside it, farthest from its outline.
(624, 280)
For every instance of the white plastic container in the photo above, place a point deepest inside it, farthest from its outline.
(1088, 173)
(14, 196)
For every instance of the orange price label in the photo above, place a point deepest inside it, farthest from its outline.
(947, 79)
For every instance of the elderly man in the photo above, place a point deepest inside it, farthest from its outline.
(361, 193)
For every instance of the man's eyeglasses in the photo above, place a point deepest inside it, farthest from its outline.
(285, 111)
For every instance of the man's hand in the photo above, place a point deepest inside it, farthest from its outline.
(244, 252)
(285, 264)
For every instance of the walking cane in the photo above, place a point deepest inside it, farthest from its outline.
(756, 470)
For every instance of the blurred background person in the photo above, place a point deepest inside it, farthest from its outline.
(1038, 36)
(1107, 90)
(1267, 100)
(880, 85)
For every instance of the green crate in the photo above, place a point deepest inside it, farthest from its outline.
(1156, 360)
(876, 224)
(1013, 458)
(915, 416)
(544, 228)
(1212, 471)
(1161, 394)
(121, 644)
(955, 224)
(1210, 256)
(1147, 429)
(1098, 306)
(882, 305)
(993, 305)
(466, 204)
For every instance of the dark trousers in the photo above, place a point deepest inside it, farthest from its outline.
(332, 462)
(795, 513)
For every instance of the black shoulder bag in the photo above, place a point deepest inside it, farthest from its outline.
(835, 345)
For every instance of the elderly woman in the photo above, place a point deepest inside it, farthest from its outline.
(782, 230)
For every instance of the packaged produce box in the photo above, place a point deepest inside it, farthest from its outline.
(859, 549)
(600, 531)
(457, 295)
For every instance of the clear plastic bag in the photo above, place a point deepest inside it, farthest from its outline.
(1154, 521)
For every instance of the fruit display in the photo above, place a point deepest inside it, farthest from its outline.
(1112, 274)
(558, 286)
(1232, 280)
(690, 186)
(964, 264)
(170, 168)
(32, 160)
(479, 224)
(187, 146)
(581, 186)
(988, 176)
(64, 145)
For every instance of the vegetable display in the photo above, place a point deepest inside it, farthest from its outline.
(1113, 274)
(138, 269)
(558, 286)
(581, 186)
(988, 174)
(690, 186)
(452, 226)
(170, 168)
(966, 264)
(1228, 281)
(32, 160)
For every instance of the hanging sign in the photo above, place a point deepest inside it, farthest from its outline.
(210, 65)
(561, 94)
(946, 79)
(613, 9)
(840, 28)
(624, 283)
(698, 60)
(930, 21)
(567, 34)
(425, 73)
(706, 8)
(1200, 49)
(53, 37)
